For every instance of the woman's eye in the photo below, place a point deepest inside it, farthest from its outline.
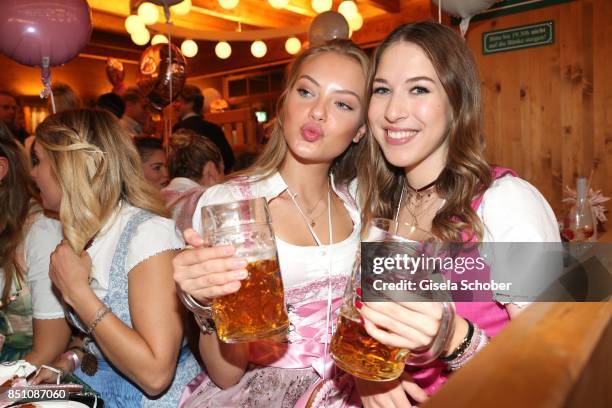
(34, 160)
(419, 90)
(303, 92)
(344, 106)
(381, 90)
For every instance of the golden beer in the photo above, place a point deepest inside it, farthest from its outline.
(360, 355)
(257, 310)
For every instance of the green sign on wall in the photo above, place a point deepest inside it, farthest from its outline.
(516, 38)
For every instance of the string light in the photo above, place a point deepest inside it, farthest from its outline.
(141, 37)
(259, 49)
(293, 45)
(228, 4)
(189, 48)
(148, 12)
(159, 39)
(321, 5)
(356, 22)
(182, 8)
(223, 50)
(348, 9)
(134, 23)
(279, 4)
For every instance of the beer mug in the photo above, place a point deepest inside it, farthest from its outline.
(352, 348)
(257, 310)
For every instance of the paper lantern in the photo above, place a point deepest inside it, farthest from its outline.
(258, 49)
(223, 50)
(141, 37)
(279, 4)
(159, 39)
(321, 5)
(182, 8)
(356, 22)
(189, 48)
(134, 23)
(293, 45)
(348, 9)
(228, 4)
(148, 12)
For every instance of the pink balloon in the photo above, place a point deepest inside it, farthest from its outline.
(31, 30)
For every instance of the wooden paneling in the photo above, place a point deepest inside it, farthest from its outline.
(553, 355)
(548, 110)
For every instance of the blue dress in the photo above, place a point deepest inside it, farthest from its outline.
(115, 389)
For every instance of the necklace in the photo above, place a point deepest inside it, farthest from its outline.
(307, 213)
(421, 198)
(329, 324)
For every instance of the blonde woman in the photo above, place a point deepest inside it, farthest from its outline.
(303, 173)
(114, 278)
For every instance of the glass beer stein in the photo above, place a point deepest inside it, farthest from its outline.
(257, 310)
(352, 348)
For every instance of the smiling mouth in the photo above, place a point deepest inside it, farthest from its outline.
(401, 134)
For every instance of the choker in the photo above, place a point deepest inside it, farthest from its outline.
(418, 191)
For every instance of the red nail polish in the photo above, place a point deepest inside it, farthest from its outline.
(358, 304)
(361, 320)
(359, 291)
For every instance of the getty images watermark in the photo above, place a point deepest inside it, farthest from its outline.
(506, 272)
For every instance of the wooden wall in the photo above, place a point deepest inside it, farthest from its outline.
(548, 110)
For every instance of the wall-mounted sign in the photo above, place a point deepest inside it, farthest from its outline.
(516, 38)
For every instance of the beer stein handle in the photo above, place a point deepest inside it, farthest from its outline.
(202, 313)
(418, 358)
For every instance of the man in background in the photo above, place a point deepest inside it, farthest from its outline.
(189, 106)
(8, 115)
(135, 114)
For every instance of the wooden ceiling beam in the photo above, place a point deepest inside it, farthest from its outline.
(253, 13)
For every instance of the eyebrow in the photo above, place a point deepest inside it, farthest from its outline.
(413, 79)
(341, 91)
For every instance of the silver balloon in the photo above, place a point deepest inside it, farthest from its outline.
(327, 26)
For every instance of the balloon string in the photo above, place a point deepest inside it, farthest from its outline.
(167, 121)
(45, 77)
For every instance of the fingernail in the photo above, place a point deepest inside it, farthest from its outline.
(359, 291)
(240, 264)
(361, 320)
(358, 304)
(243, 274)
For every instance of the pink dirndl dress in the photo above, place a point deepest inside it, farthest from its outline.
(298, 371)
(490, 316)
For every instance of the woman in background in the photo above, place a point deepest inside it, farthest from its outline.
(154, 161)
(195, 163)
(27, 237)
(115, 280)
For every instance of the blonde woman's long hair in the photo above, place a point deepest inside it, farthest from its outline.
(16, 189)
(273, 155)
(97, 166)
(466, 173)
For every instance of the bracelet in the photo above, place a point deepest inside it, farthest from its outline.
(103, 311)
(463, 346)
(73, 357)
(480, 340)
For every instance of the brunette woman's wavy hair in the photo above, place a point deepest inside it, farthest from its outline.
(97, 166)
(273, 155)
(466, 173)
(16, 189)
